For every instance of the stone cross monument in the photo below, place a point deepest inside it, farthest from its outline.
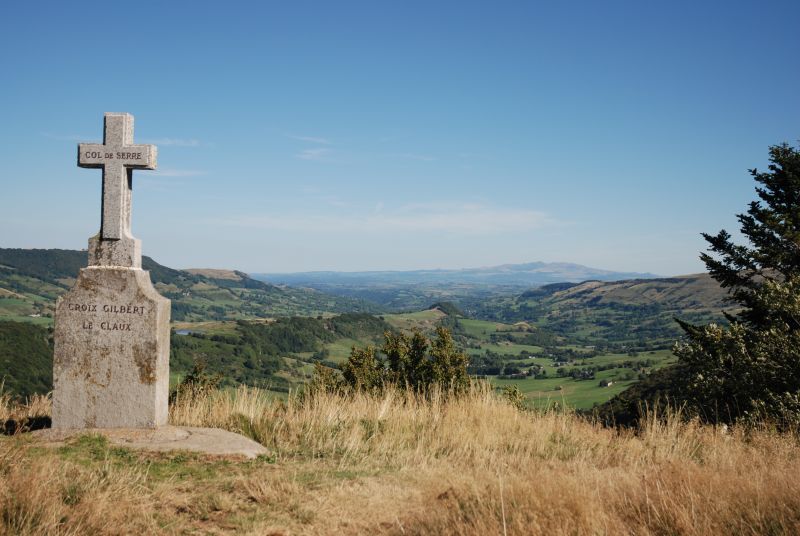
(111, 359)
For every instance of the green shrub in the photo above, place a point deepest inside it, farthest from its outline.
(197, 383)
(514, 396)
(415, 362)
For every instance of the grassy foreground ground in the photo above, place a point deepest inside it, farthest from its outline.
(398, 464)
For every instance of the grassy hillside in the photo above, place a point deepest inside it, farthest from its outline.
(277, 354)
(31, 279)
(628, 312)
(396, 464)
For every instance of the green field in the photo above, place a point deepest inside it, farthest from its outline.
(340, 350)
(583, 393)
(480, 328)
(579, 394)
(507, 348)
(423, 320)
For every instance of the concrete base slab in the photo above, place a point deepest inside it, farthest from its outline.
(212, 441)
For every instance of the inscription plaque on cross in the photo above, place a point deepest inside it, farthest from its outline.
(118, 156)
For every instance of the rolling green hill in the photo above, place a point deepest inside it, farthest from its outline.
(31, 280)
(632, 312)
(274, 354)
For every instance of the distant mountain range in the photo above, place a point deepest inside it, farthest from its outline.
(417, 289)
(532, 274)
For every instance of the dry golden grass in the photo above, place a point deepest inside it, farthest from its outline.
(398, 464)
(11, 410)
(41, 495)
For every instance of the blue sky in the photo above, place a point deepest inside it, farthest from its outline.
(299, 136)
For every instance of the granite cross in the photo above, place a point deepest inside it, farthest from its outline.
(118, 157)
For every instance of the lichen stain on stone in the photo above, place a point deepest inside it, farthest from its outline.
(123, 282)
(99, 245)
(85, 366)
(142, 297)
(87, 283)
(144, 356)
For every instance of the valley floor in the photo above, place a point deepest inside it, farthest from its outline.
(396, 464)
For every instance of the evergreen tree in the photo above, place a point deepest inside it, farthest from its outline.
(772, 226)
(751, 370)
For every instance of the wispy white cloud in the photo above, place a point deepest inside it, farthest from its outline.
(457, 218)
(468, 218)
(318, 153)
(167, 172)
(148, 182)
(310, 139)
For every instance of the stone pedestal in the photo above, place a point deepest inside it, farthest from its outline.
(209, 441)
(111, 361)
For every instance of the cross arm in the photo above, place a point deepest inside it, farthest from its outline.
(92, 155)
(145, 156)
